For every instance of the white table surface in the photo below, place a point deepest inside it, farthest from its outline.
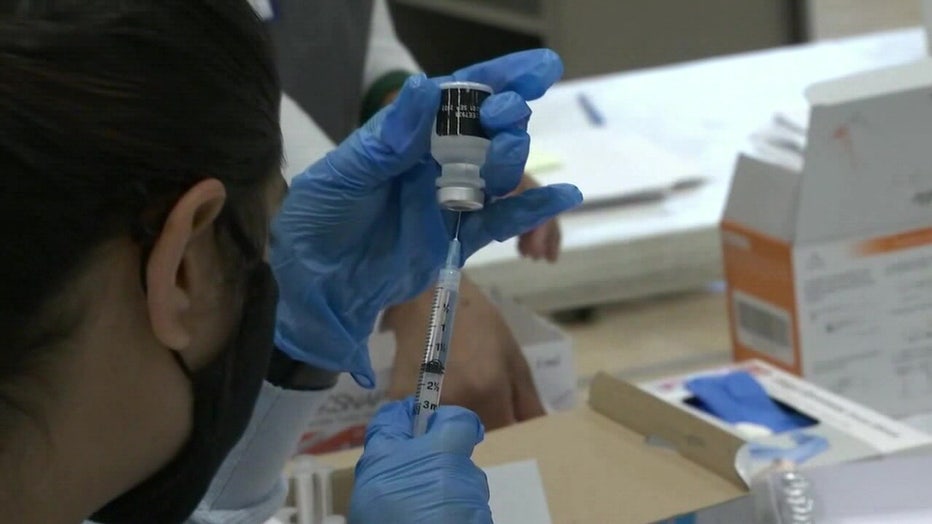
(702, 111)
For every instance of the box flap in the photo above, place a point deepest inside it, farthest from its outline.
(763, 198)
(869, 84)
(586, 461)
(589, 457)
(868, 165)
(694, 438)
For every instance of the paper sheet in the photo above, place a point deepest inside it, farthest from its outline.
(517, 494)
(610, 166)
(540, 161)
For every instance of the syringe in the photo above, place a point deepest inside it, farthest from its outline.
(439, 334)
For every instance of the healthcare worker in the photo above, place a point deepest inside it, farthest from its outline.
(140, 165)
(340, 61)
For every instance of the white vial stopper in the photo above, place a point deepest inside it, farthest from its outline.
(459, 144)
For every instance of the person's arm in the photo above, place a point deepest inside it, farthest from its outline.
(333, 283)
(326, 313)
(502, 389)
(250, 485)
(487, 371)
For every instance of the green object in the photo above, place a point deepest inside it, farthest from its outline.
(381, 88)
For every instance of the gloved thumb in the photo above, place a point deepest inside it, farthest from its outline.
(454, 430)
(392, 141)
(515, 215)
(450, 430)
(392, 423)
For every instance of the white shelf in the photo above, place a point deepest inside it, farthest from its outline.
(482, 13)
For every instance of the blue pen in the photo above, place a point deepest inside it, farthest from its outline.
(592, 113)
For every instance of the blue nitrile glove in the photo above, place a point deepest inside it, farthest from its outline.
(361, 229)
(807, 446)
(737, 397)
(431, 478)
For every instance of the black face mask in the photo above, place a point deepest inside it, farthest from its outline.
(225, 392)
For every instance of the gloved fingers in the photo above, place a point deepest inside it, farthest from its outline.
(460, 475)
(528, 73)
(514, 215)
(504, 111)
(455, 430)
(392, 423)
(423, 225)
(393, 141)
(505, 161)
(809, 448)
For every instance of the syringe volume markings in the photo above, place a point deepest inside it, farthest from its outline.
(437, 342)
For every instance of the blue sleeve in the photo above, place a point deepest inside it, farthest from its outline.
(250, 486)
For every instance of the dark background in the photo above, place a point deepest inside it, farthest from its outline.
(593, 36)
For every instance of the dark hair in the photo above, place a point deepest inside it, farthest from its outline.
(109, 111)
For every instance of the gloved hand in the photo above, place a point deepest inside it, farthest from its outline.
(361, 229)
(737, 397)
(431, 478)
(807, 447)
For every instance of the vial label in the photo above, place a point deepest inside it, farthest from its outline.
(459, 112)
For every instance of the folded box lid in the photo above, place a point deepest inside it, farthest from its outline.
(763, 197)
(867, 168)
(593, 468)
(868, 164)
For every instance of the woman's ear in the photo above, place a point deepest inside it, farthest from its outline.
(169, 287)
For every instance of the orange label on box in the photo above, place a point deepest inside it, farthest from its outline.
(897, 242)
(762, 298)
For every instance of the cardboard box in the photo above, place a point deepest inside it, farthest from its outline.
(851, 431)
(829, 269)
(340, 422)
(598, 462)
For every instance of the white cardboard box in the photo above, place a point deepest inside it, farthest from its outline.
(829, 269)
(598, 464)
(340, 422)
(852, 431)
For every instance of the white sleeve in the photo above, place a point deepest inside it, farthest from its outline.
(385, 52)
(250, 486)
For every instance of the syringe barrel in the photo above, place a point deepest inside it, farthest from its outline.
(449, 279)
(439, 336)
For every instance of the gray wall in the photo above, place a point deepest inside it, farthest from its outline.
(600, 36)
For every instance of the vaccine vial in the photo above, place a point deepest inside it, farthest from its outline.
(459, 144)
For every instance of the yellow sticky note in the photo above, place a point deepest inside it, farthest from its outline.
(539, 161)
